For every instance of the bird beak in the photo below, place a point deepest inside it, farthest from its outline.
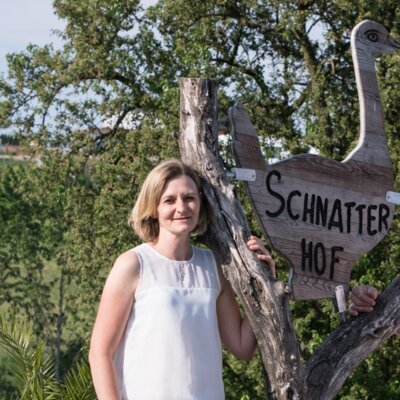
(394, 44)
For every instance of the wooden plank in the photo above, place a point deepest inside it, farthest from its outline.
(319, 214)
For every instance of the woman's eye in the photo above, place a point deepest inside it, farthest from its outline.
(191, 198)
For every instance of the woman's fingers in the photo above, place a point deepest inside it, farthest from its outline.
(256, 245)
(362, 299)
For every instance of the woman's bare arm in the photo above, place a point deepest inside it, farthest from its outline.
(235, 330)
(114, 309)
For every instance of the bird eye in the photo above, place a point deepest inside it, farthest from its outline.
(372, 35)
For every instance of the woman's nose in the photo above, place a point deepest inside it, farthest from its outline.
(180, 205)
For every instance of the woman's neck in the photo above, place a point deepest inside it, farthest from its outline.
(173, 248)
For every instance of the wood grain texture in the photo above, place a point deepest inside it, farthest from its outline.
(351, 343)
(265, 301)
(319, 214)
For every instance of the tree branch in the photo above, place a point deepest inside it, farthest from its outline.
(351, 343)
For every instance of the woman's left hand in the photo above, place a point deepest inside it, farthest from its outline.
(256, 245)
(362, 299)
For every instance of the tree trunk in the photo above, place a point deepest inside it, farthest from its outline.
(60, 319)
(266, 300)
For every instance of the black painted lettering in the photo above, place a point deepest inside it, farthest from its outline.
(336, 216)
(275, 194)
(360, 209)
(306, 254)
(334, 260)
(319, 255)
(349, 206)
(308, 209)
(383, 215)
(289, 204)
(370, 219)
(321, 211)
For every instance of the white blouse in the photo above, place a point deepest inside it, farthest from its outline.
(171, 348)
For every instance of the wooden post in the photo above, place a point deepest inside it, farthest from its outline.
(264, 299)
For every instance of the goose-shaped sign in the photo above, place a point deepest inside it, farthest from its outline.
(320, 214)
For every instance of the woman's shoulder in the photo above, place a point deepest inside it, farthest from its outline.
(126, 265)
(208, 254)
(202, 250)
(127, 257)
(124, 274)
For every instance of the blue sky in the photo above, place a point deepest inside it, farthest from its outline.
(28, 21)
(23, 22)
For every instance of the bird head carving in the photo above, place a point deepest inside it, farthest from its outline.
(320, 214)
(373, 38)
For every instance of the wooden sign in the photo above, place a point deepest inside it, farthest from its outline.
(320, 214)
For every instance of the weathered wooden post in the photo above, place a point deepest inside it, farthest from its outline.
(265, 300)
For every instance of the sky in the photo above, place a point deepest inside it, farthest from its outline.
(23, 22)
(29, 21)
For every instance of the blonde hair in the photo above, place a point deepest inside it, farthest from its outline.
(143, 218)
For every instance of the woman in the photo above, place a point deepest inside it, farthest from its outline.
(166, 305)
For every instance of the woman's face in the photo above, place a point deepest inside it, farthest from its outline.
(179, 207)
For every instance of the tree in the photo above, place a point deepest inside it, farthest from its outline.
(34, 214)
(120, 65)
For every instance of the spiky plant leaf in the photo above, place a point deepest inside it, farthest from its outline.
(78, 383)
(32, 368)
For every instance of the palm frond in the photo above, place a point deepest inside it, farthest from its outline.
(78, 383)
(32, 369)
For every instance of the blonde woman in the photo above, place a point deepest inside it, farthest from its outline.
(166, 305)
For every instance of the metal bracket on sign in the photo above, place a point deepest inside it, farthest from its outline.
(242, 174)
(341, 302)
(393, 197)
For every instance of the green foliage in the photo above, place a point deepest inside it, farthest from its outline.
(33, 370)
(384, 365)
(243, 381)
(101, 111)
(25, 246)
(8, 139)
(78, 383)
(30, 367)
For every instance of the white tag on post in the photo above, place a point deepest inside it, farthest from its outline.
(393, 197)
(244, 174)
(340, 298)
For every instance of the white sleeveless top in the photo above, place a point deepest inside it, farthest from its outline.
(171, 348)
